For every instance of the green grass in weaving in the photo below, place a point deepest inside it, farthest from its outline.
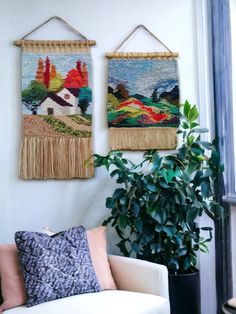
(60, 126)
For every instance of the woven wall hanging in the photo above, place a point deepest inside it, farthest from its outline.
(143, 99)
(57, 107)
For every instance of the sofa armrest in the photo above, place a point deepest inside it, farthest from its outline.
(139, 276)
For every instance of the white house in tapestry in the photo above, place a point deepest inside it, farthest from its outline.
(64, 102)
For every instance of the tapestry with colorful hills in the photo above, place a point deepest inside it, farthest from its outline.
(142, 93)
(57, 109)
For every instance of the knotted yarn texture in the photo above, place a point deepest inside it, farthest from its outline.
(143, 100)
(57, 110)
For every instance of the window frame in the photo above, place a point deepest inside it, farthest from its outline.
(230, 158)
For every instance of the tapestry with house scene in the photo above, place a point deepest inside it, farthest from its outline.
(142, 101)
(57, 115)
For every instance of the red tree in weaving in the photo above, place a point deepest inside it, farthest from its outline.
(73, 79)
(77, 77)
(47, 72)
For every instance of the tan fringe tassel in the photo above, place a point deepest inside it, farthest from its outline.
(143, 138)
(55, 158)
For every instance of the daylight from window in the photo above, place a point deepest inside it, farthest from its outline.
(233, 34)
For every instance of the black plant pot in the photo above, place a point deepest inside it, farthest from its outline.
(185, 293)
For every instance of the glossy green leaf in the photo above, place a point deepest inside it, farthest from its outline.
(193, 114)
(185, 125)
(119, 163)
(135, 247)
(186, 262)
(109, 202)
(139, 225)
(170, 230)
(114, 172)
(193, 125)
(182, 251)
(192, 214)
(151, 187)
(122, 222)
(156, 162)
(163, 184)
(135, 208)
(182, 151)
(205, 189)
(206, 145)
(119, 193)
(187, 108)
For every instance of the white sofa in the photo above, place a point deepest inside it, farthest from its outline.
(142, 289)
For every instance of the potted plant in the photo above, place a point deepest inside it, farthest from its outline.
(156, 206)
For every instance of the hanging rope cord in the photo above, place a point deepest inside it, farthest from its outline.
(147, 30)
(75, 31)
(82, 41)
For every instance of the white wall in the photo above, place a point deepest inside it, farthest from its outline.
(31, 205)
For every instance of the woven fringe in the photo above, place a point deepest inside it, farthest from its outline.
(55, 158)
(143, 138)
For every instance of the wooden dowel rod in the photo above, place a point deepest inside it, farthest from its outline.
(142, 55)
(21, 43)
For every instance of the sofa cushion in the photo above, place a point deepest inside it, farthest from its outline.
(105, 302)
(55, 267)
(98, 250)
(12, 284)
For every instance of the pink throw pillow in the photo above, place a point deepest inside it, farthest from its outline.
(12, 283)
(98, 251)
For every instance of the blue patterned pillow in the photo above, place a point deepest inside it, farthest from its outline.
(55, 267)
